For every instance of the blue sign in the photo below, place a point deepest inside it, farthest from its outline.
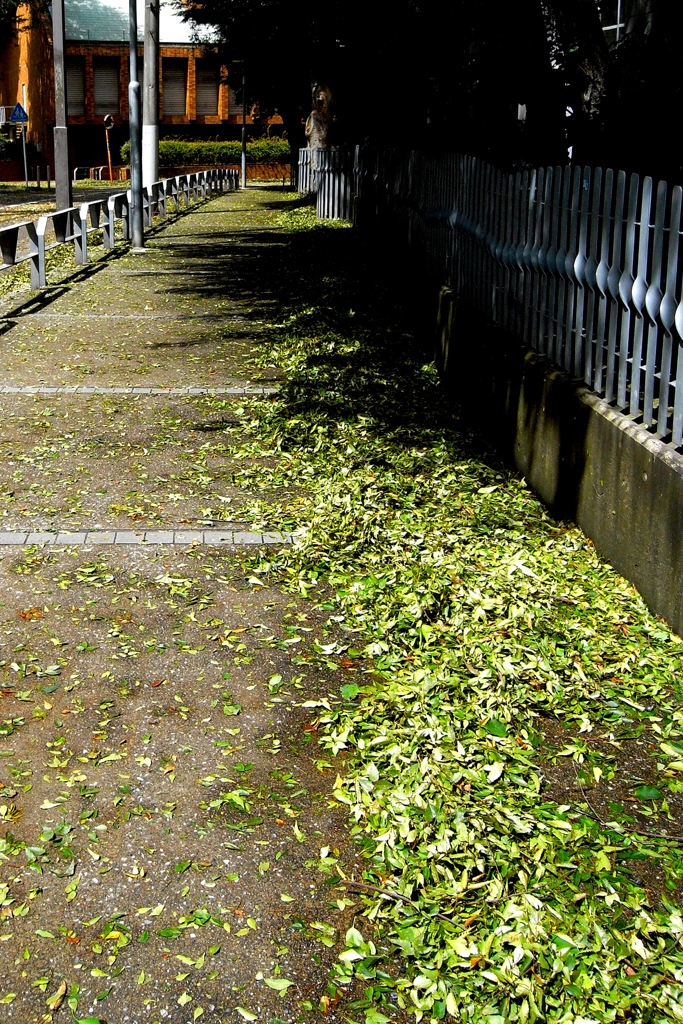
(18, 115)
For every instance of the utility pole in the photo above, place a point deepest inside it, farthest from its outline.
(150, 98)
(137, 238)
(244, 130)
(63, 196)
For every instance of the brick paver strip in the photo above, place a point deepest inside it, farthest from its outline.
(84, 315)
(81, 389)
(229, 538)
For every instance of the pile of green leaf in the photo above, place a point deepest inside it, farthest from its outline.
(476, 617)
(303, 218)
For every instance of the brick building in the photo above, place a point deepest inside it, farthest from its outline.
(195, 99)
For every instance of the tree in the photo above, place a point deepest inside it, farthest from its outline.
(647, 90)
(10, 23)
(320, 120)
(457, 77)
(283, 56)
(411, 72)
(479, 68)
(579, 50)
(8, 14)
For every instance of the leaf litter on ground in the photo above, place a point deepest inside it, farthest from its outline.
(476, 620)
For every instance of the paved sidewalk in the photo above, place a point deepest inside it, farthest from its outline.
(171, 847)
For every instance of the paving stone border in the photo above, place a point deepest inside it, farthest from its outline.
(87, 315)
(81, 389)
(80, 538)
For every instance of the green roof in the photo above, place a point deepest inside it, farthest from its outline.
(106, 21)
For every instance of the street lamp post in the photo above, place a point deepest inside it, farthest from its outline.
(137, 238)
(63, 195)
(244, 130)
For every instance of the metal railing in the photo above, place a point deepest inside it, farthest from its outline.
(32, 240)
(583, 265)
(306, 171)
(100, 172)
(329, 173)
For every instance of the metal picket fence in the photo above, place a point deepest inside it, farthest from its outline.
(329, 173)
(32, 240)
(582, 264)
(306, 171)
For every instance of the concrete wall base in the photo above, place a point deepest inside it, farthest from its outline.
(586, 461)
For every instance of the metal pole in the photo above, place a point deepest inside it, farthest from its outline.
(111, 173)
(23, 135)
(150, 98)
(63, 195)
(23, 142)
(137, 238)
(244, 131)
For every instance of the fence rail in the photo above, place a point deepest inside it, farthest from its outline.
(32, 240)
(582, 264)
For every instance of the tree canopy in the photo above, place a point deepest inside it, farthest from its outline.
(462, 76)
(10, 20)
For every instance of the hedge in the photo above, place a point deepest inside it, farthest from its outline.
(178, 153)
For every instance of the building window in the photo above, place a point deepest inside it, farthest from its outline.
(75, 86)
(174, 84)
(612, 19)
(106, 85)
(207, 88)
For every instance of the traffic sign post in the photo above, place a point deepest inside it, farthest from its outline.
(18, 115)
(108, 123)
(23, 142)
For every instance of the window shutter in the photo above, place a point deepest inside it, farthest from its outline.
(106, 83)
(207, 91)
(175, 86)
(75, 86)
